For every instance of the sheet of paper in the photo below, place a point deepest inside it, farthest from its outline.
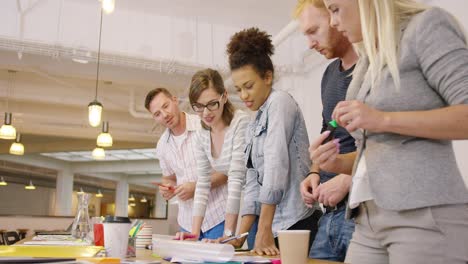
(181, 260)
(251, 259)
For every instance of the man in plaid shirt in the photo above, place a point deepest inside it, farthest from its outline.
(175, 151)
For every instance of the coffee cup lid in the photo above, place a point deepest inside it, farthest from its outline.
(117, 219)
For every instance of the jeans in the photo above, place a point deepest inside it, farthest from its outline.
(215, 232)
(309, 223)
(333, 236)
(252, 234)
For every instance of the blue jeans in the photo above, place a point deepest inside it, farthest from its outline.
(215, 232)
(252, 234)
(333, 236)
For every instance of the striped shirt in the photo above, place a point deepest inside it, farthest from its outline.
(230, 162)
(335, 84)
(180, 161)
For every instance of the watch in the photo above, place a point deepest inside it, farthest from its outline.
(228, 233)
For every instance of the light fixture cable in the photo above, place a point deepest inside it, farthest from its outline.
(7, 131)
(98, 58)
(95, 107)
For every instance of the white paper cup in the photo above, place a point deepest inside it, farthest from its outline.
(116, 231)
(294, 246)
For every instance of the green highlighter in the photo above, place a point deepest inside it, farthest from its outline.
(332, 125)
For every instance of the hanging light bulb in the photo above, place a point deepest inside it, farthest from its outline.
(143, 200)
(99, 193)
(98, 153)
(3, 182)
(104, 139)
(17, 148)
(108, 6)
(132, 198)
(132, 204)
(7, 131)
(80, 191)
(95, 107)
(94, 113)
(30, 186)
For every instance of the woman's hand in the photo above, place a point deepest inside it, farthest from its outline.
(265, 244)
(236, 243)
(354, 114)
(186, 236)
(325, 155)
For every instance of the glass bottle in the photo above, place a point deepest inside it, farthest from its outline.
(82, 228)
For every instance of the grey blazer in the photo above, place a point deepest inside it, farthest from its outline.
(409, 172)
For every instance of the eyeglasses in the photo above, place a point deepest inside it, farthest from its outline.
(211, 106)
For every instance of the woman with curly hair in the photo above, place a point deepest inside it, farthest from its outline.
(277, 145)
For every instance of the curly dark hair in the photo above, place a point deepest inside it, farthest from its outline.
(251, 47)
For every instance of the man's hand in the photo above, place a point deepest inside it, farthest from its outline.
(307, 186)
(185, 191)
(265, 244)
(334, 190)
(167, 191)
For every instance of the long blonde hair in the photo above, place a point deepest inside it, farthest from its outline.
(380, 25)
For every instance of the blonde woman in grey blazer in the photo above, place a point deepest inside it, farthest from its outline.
(408, 100)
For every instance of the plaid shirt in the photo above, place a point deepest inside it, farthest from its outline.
(181, 161)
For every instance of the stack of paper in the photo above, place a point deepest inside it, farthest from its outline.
(59, 240)
(193, 251)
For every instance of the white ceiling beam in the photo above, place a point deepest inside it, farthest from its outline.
(37, 160)
(126, 167)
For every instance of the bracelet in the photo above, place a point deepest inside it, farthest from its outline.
(313, 172)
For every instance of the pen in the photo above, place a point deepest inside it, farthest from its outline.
(234, 237)
(332, 125)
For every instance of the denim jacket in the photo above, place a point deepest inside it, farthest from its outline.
(277, 145)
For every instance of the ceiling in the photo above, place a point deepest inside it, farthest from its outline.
(266, 14)
(48, 93)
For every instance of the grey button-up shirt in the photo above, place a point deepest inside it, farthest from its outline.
(277, 144)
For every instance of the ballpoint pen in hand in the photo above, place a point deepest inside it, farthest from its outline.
(234, 237)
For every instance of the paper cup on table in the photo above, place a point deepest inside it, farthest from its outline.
(294, 246)
(116, 231)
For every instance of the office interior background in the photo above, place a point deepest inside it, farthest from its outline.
(49, 69)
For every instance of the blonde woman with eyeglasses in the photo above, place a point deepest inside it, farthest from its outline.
(408, 100)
